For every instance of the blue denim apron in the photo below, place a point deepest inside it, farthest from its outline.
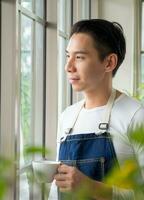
(93, 154)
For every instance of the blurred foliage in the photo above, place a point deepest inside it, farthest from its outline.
(38, 150)
(5, 179)
(7, 176)
(137, 136)
(140, 93)
(129, 176)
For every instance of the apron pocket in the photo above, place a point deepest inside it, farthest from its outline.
(94, 168)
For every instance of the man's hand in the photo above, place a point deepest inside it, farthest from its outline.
(69, 178)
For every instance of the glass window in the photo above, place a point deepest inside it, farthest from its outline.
(142, 68)
(63, 85)
(62, 15)
(27, 4)
(85, 9)
(64, 23)
(38, 86)
(26, 99)
(26, 79)
(31, 55)
(40, 8)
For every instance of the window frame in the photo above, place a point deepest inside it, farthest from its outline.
(35, 19)
(137, 82)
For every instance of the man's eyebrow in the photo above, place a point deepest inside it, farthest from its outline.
(78, 52)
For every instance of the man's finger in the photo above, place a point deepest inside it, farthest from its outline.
(63, 168)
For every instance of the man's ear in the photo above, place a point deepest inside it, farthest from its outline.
(111, 62)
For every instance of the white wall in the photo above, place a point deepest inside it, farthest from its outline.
(9, 120)
(122, 11)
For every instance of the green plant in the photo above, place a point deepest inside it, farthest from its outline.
(130, 174)
(7, 167)
(140, 92)
(5, 179)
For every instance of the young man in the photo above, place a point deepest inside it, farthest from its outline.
(94, 133)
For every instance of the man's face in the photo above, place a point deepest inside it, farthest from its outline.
(84, 69)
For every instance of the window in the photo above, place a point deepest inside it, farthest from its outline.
(31, 29)
(64, 23)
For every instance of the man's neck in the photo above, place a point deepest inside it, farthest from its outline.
(97, 98)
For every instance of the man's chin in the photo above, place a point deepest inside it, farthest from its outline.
(77, 89)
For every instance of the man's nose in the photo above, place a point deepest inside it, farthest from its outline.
(70, 65)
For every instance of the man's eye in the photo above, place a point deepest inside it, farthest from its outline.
(80, 57)
(67, 56)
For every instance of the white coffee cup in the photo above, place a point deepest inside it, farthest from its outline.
(44, 170)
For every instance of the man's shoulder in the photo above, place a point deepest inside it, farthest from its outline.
(127, 112)
(128, 105)
(131, 102)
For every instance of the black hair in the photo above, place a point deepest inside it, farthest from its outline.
(108, 37)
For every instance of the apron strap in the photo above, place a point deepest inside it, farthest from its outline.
(104, 125)
(68, 130)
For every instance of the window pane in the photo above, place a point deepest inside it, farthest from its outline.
(68, 16)
(62, 13)
(40, 8)
(26, 98)
(38, 95)
(63, 84)
(27, 4)
(26, 79)
(142, 44)
(142, 68)
(85, 9)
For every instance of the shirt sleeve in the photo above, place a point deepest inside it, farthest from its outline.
(122, 194)
(138, 121)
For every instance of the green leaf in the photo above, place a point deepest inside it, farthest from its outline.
(137, 136)
(31, 150)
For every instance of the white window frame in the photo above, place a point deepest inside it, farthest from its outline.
(137, 48)
(38, 125)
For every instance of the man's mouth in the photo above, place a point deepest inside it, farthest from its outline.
(73, 80)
